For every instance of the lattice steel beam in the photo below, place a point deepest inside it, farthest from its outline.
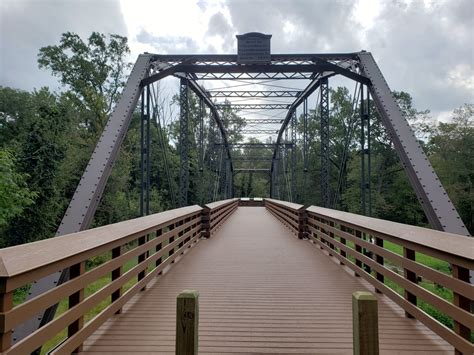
(232, 58)
(255, 121)
(293, 158)
(259, 131)
(265, 71)
(184, 141)
(324, 136)
(258, 93)
(253, 106)
(256, 145)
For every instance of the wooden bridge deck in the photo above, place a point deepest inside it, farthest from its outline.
(261, 291)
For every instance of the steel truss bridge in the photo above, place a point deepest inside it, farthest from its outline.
(272, 111)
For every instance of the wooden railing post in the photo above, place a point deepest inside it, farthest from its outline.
(302, 224)
(74, 299)
(141, 258)
(158, 261)
(358, 249)
(379, 260)
(6, 304)
(331, 234)
(365, 323)
(116, 273)
(461, 273)
(171, 240)
(343, 241)
(187, 323)
(410, 276)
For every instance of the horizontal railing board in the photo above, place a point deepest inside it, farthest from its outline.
(454, 244)
(440, 278)
(431, 298)
(217, 204)
(29, 308)
(27, 257)
(291, 205)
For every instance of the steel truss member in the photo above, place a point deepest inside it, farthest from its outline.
(184, 142)
(324, 136)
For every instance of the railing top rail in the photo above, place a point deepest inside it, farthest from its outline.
(454, 244)
(218, 204)
(24, 258)
(294, 206)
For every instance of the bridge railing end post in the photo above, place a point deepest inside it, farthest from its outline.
(365, 323)
(187, 323)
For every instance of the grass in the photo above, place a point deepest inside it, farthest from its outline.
(20, 294)
(434, 288)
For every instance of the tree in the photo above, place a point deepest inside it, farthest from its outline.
(95, 71)
(15, 195)
(451, 148)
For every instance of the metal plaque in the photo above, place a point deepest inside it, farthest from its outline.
(253, 48)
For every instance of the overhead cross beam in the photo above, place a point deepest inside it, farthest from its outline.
(255, 121)
(253, 106)
(256, 145)
(268, 93)
(259, 131)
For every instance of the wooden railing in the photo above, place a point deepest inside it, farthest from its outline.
(134, 251)
(290, 214)
(217, 212)
(369, 247)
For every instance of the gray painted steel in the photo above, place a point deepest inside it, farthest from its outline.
(324, 137)
(439, 209)
(184, 142)
(86, 198)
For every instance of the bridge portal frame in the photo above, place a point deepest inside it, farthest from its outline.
(150, 68)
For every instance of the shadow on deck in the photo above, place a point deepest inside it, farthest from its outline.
(262, 290)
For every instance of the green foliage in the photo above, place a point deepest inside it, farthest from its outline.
(94, 71)
(15, 196)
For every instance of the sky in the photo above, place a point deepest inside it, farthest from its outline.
(424, 47)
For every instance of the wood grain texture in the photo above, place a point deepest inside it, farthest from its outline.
(261, 291)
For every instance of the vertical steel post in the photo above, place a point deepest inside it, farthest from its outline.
(201, 134)
(222, 175)
(305, 147)
(369, 155)
(147, 152)
(363, 210)
(324, 136)
(293, 158)
(277, 173)
(211, 150)
(286, 164)
(183, 142)
(142, 154)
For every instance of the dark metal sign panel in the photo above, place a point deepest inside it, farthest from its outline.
(253, 48)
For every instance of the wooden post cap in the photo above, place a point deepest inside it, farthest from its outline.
(365, 323)
(187, 322)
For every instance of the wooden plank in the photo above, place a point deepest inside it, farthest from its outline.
(251, 304)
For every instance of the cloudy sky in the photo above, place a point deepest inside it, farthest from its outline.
(425, 47)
